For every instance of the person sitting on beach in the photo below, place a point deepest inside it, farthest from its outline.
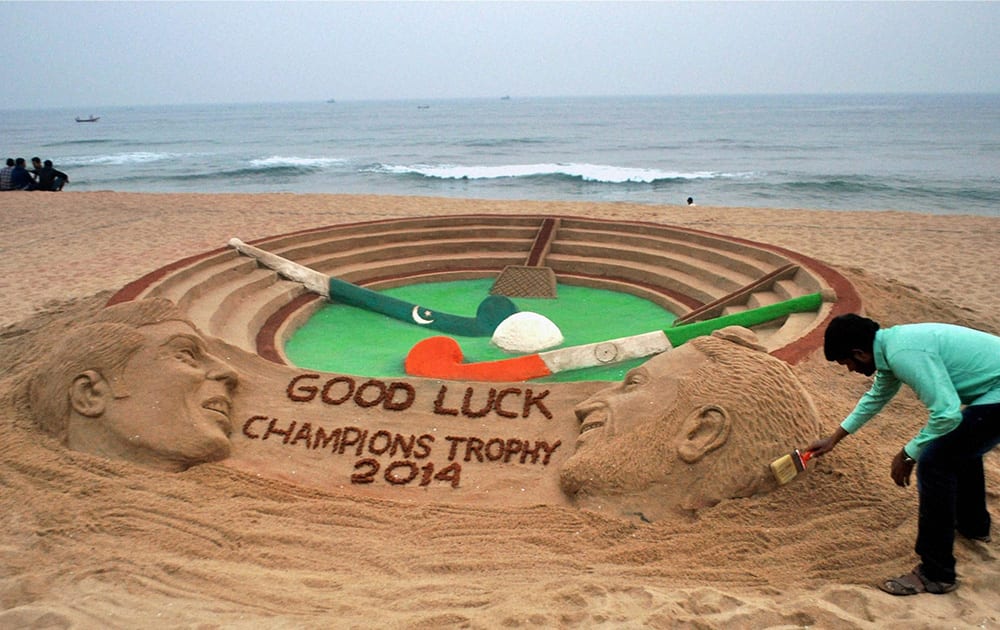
(21, 178)
(691, 427)
(51, 179)
(137, 383)
(947, 366)
(6, 173)
(36, 166)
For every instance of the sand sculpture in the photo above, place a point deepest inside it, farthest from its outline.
(491, 311)
(497, 316)
(89, 541)
(692, 427)
(442, 357)
(137, 383)
(688, 429)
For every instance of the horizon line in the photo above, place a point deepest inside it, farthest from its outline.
(499, 97)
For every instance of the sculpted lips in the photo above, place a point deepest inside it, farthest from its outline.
(222, 406)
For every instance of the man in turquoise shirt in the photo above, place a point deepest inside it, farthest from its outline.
(955, 371)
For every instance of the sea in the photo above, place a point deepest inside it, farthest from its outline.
(931, 153)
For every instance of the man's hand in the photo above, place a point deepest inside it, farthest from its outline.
(902, 467)
(821, 447)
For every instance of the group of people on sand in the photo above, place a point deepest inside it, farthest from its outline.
(42, 175)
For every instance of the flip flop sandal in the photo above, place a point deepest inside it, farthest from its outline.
(914, 583)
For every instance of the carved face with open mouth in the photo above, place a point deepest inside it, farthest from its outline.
(173, 400)
(647, 392)
(620, 426)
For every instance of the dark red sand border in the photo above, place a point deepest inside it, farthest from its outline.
(543, 241)
(132, 290)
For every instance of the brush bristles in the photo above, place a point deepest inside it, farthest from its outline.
(787, 467)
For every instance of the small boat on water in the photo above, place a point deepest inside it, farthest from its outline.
(88, 119)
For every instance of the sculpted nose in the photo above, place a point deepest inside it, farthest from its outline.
(584, 409)
(219, 370)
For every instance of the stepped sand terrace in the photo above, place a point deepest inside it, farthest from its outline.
(232, 297)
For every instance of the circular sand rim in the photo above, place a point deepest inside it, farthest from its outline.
(695, 274)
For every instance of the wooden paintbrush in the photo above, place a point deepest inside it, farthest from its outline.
(788, 467)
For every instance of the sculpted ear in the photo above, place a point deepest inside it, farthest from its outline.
(705, 430)
(89, 393)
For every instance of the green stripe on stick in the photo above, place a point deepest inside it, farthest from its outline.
(760, 315)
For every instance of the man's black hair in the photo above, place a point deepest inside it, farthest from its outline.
(847, 333)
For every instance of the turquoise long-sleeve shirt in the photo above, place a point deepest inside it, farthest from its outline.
(947, 367)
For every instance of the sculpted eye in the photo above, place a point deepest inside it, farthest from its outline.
(187, 352)
(187, 355)
(634, 379)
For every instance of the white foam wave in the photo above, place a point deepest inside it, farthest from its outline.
(133, 157)
(300, 162)
(587, 172)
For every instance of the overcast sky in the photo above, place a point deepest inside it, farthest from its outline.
(86, 54)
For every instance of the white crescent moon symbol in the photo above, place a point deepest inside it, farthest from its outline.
(418, 319)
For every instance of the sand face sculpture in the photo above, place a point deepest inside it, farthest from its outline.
(688, 429)
(691, 427)
(137, 383)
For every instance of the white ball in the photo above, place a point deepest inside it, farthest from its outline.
(526, 332)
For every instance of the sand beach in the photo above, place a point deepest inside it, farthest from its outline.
(96, 543)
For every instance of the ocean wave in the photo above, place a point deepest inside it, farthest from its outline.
(173, 180)
(118, 159)
(493, 143)
(70, 143)
(886, 191)
(260, 171)
(599, 173)
(278, 161)
(146, 144)
(840, 185)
